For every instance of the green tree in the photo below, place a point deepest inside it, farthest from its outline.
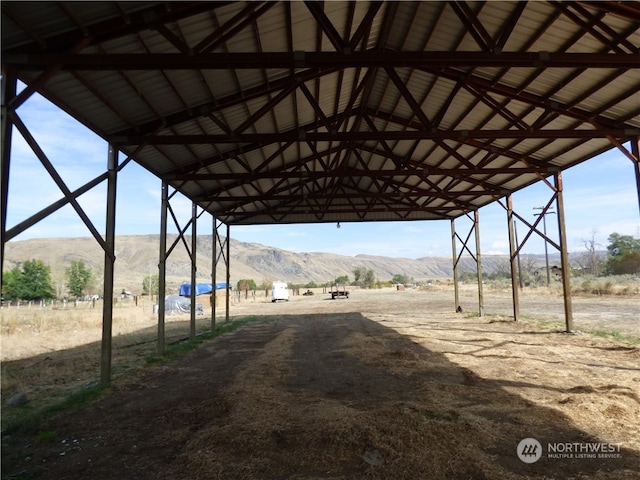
(341, 280)
(364, 277)
(369, 280)
(150, 285)
(9, 283)
(79, 277)
(399, 278)
(31, 282)
(624, 255)
(358, 275)
(621, 244)
(246, 284)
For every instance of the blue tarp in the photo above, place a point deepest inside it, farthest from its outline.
(201, 288)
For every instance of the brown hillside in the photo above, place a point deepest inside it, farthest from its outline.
(137, 257)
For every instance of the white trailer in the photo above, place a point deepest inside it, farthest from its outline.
(279, 291)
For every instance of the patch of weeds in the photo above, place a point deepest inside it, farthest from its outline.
(47, 435)
(615, 335)
(444, 417)
(548, 324)
(496, 317)
(182, 346)
(30, 420)
(27, 419)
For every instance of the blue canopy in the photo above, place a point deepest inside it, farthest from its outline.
(201, 288)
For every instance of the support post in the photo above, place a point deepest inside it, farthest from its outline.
(162, 267)
(564, 255)
(515, 236)
(7, 93)
(513, 256)
(194, 242)
(228, 273)
(635, 151)
(476, 221)
(454, 250)
(214, 262)
(109, 262)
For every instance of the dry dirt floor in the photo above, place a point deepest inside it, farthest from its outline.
(383, 385)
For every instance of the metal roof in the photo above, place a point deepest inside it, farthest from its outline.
(285, 112)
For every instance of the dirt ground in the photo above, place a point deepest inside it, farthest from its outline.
(383, 385)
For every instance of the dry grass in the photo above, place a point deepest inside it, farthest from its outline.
(51, 352)
(268, 427)
(459, 409)
(384, 385)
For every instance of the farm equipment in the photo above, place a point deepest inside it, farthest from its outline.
(339, 291)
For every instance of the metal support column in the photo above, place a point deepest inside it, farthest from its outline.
(194, 268)
(228, 273)
(162, 266)
(513, 258)
(635, 151)
(214, 263)
(7, 93)
(109, 261)
(454, 250)
(476, 224)
(564, 255)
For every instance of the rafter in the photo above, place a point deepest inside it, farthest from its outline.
(301, 59)
(297, 135)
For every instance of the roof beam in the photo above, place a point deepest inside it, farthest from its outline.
(540, 101)
(301, 59)
(449, 172)
(117, 27)
(628, 10)
(325, 24)
(301, 135)
(470, 19)
(337, 210)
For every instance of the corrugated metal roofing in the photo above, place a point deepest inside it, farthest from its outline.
(268, 112)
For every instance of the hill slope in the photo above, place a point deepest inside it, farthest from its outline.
(137, 257)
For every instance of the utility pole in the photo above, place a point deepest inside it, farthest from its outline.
(544, 214)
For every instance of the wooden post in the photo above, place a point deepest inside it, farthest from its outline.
(513, 255)
(564, 255)
(109, 261)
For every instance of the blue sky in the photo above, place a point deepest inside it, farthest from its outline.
(600, 198)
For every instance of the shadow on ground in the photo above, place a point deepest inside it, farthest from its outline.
(311, 396)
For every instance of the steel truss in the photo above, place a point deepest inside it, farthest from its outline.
(515, 246)
(166, 252)
(442, 191)
(457, 255)
(223, 253)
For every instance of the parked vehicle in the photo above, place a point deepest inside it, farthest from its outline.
(279, 291)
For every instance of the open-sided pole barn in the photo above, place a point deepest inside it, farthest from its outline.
(308, 112)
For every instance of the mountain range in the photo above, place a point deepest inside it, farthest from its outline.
(137, 257)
